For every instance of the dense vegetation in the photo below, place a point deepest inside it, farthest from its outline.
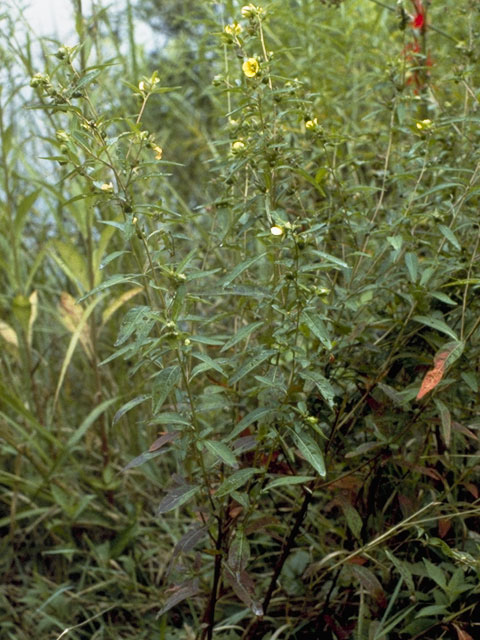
(239, 322)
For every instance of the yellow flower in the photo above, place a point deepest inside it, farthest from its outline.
(424, 124)
(107, 186)
(238, 146)
(250, 11)
(276, 231)
(251, 67)
(158, 151)
(311, 124)
(234, 29)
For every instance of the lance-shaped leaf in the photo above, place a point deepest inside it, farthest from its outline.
(180, 592)
(163, 383)
(241, 334)
(370, 583)
(251, 364)
(240, 268)
(129, 405)
(163, 440)
(176, 497)
(254, 416)
(317, 327)
(146, 456)
(309, 450)
(436, 323)
(239, 551)
(244, 588)
(323, 385)
(221, 451)
(287, 481)
(235, 481)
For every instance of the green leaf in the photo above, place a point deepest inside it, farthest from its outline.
(330, 259)
(176, 497)
(87, 79)
(241, 334)
(317, 327)
(471, 380)
(252, 363)
(310, 451)
(437, 324)
(443, 298)
(221, 451)
(209, 362)
(240, 268)
(450, 236)
(129, 405)
(182, 592)
(23, 208)
(170, 417)
(455, 350)
(403, 569)
(236, 480)
(287, 481)
(246, 421)
(72, 263)
(243, 587)
(432, 610)
(88, 422)
(354, 521)
(411, 261)
(114, 280)
(163, 383)
(146, 456)
(323, 385)
(435, 573)
(445, 421)
(111, 257)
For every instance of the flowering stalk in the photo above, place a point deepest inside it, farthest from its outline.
(417, 55)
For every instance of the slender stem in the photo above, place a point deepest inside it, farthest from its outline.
(210, 611)
(286, 548)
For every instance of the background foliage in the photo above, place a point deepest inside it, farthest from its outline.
(238, 319)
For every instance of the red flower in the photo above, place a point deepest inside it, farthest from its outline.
(418, 21)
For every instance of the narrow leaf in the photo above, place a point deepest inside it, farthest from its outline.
(450, 236)
(323, 385)
(129, 405)
(287, 481)
(181, 593)
(241, 334)
(163, 383)
(246, 421)
(243, 587)
(146, 456)
(236, 480)
(310, 451)
(252, 364)
(165, 438)
(317, 327)
(411, 261)
(176, 497)
(436, 323)
(240, 268)
(221, 451)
